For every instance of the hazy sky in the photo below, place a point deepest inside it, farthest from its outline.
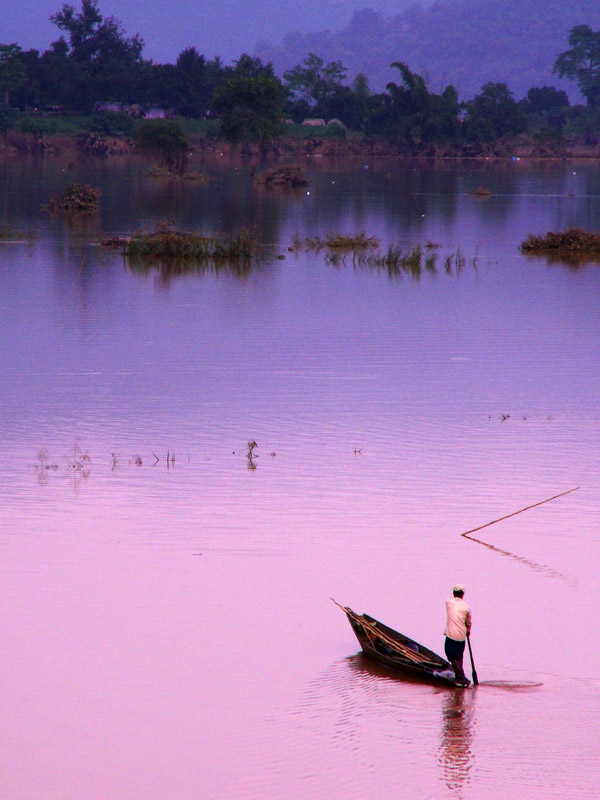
(167, 26)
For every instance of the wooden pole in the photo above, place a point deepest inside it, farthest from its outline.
(520, 511)
(475, 678)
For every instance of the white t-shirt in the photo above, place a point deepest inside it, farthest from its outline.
(458, 613)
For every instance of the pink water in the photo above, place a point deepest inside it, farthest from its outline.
(166, 628)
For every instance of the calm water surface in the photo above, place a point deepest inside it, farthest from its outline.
(166, 627)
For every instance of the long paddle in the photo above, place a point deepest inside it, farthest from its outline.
(475, 679)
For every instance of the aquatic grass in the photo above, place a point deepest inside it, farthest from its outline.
(342, 242)
(396, 260)
(413, 259)
(335, 257)
(458, 260)
(167, 243)
(430, 262)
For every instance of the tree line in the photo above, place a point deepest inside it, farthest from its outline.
(94, 61)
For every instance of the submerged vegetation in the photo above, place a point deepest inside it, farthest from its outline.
(573, 240)
(342, 242)
(175, 253)
(162, 172)
(167, 243)
(363, 251)
(285, 175)
(164, 140)
(77, 198)
(573, 246)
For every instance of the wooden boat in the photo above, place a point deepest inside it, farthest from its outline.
(396, 650)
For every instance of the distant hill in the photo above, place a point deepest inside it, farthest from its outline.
(463, 42)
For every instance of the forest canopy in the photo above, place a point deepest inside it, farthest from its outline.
(95, 68)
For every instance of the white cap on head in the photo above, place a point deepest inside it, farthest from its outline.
(458, 587)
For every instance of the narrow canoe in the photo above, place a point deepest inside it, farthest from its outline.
(396, 650)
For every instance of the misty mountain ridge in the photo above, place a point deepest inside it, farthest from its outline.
(460, 42)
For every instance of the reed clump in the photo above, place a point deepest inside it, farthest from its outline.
(396, 260)
(77, 198)
(342, 242)
(167, 243)
(570, 243)
(286, 175)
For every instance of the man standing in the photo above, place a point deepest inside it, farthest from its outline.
(458, 625)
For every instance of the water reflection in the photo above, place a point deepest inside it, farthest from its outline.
(169, 270)
(456, 754)
(553, 573)
(377, 704)
(528, 562)
(573, 261)
(311, 362)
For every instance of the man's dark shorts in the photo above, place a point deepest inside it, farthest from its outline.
(454, 650)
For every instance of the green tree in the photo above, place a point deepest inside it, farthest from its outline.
(112, 123)
(12, 71)
(56, 75)
(105, 64)
(546, 98)
(194, 86)
(250, 108)
(581, 62)
(252, 67)
(164, 140)
(29, 93)
(545, 107)
(410, 102)
(6, 119)
(492, 114)
(161, 86)
(415, 113)
(315, 81)
(360, 87)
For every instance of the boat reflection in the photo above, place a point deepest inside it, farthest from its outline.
(457, 706)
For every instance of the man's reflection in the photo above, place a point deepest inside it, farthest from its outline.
(456, 757)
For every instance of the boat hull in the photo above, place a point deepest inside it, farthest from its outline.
(397, 651)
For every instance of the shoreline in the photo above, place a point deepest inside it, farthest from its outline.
(361, 146)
